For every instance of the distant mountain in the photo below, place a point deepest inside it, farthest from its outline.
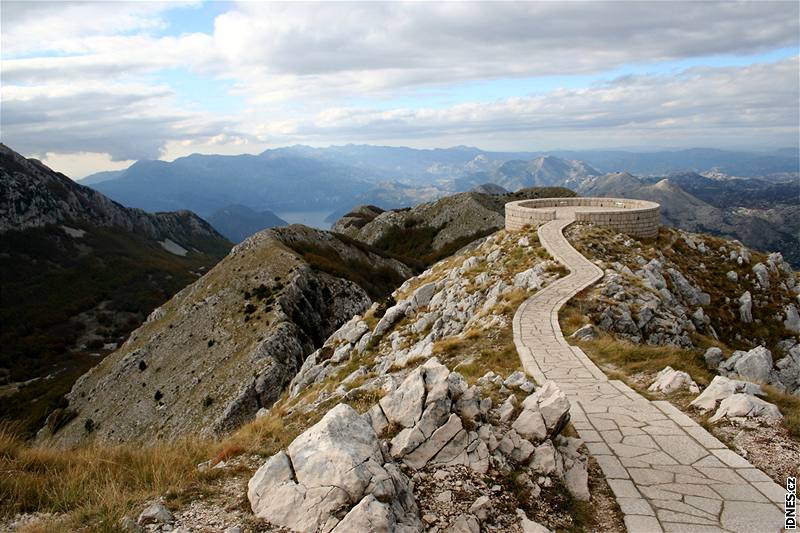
(337, 178)
(756, 228)
(207, 183)
(237, 222)
(748, 164)
(100, 177)
(741, 192)
(544, 171)
(79, 272)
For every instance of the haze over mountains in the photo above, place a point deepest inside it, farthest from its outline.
(750, 196)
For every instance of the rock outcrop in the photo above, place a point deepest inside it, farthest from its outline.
(339, 475)
(229, 344)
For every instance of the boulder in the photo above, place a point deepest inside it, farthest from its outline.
(155, 513)
(732, 275)
(584, 333)
(713, 357)
(528, 280)
(670, 380)
(746, 405)
(746, 307)
(553, 405)
(422, 296)
(788, 372)
(762, 274)
(721, 388)
(754, 365)
(792, 322)
(326, 472)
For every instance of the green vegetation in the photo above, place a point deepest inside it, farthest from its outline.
(49, 278)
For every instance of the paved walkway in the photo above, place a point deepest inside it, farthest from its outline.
(667, 472)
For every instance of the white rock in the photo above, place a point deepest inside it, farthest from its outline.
(721, 388)
(584, 333)
(762, 274)
(792, 322)
(746, 307)
(746, 405)
(732, 275)
(670, 380)
(755, 365)
(465, 523)
(528, 279)
(330, 467)
(155, 513)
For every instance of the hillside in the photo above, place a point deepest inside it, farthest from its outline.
(79, 273)
(417, 403)
(433, 230)
(773, 229)
(227, 345)
(237, 222)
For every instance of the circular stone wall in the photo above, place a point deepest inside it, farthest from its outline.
(638, 218)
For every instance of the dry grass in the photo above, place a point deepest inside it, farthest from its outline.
(789, 405)
(631, 358)
(94, 485)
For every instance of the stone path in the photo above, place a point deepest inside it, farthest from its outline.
(667, 472)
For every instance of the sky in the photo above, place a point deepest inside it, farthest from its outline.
(91, 86)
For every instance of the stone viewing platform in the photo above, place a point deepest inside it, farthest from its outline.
(638, 218)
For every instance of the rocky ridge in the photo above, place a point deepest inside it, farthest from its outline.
(222, 348)
(437, 228)
(686, 285)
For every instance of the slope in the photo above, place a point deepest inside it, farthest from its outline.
(79, 272)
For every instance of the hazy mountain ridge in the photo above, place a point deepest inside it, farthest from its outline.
(237, 222)
(754, 227)
(336, 178)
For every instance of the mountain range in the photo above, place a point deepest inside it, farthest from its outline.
(749, 196)
(79, 272)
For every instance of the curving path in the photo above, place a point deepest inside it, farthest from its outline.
(666, 471)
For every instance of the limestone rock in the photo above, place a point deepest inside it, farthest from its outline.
(753, 365)
(553, 405)
(326, 472)
(745, 405)
(746, 307)
(670, 380)
(465, 523)
(792, 322)
(155, 513)
(788, 370)
(721, 388)
(762, 274)
(713, 357)
(518, 380)
(584, 333)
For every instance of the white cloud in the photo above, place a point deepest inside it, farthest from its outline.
(83, 77)
(722, 104)
(125, 121)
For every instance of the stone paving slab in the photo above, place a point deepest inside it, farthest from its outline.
(666, 471)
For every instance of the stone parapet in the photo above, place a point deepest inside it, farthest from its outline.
(638, 218)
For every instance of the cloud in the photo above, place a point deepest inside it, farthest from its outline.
(126, 121)
(727, 103)
(282, 50)
(94, 76)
